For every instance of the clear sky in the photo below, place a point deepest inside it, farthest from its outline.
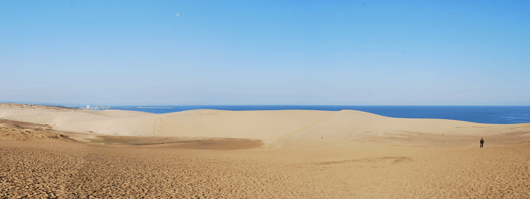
(265, 52)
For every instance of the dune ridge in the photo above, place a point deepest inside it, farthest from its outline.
(209, 154)
(270, 126)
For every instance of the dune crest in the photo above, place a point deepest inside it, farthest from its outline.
(256, 154)
(302, 126)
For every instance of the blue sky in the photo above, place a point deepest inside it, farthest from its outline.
(265, 52)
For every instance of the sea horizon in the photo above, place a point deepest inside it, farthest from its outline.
(488, 114)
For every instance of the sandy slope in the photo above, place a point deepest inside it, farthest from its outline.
(277, 127)
(308, 154)
(77, 170)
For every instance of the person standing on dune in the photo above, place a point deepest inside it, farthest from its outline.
(481, 142)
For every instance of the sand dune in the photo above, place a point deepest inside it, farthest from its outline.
(219, 154)
(15, 130)
(299, 126)
(74, 170)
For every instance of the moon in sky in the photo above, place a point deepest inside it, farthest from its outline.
(178, 14)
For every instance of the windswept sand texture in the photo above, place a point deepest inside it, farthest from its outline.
(292, 127)
(256, 154)
(15, 130)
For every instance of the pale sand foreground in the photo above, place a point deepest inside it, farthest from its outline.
(345, 154)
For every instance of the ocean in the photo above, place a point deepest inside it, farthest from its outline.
(478, 114)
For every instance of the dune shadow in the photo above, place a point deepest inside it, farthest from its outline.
(180, 143)
(393, 160)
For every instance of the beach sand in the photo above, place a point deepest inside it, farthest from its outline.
(68, 153)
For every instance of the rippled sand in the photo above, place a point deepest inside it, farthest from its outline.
(56, 166)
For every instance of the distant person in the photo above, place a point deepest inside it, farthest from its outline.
(481, 142)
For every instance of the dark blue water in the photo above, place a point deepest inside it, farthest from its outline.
(479, 114)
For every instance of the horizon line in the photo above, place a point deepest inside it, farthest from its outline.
(78, 104)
